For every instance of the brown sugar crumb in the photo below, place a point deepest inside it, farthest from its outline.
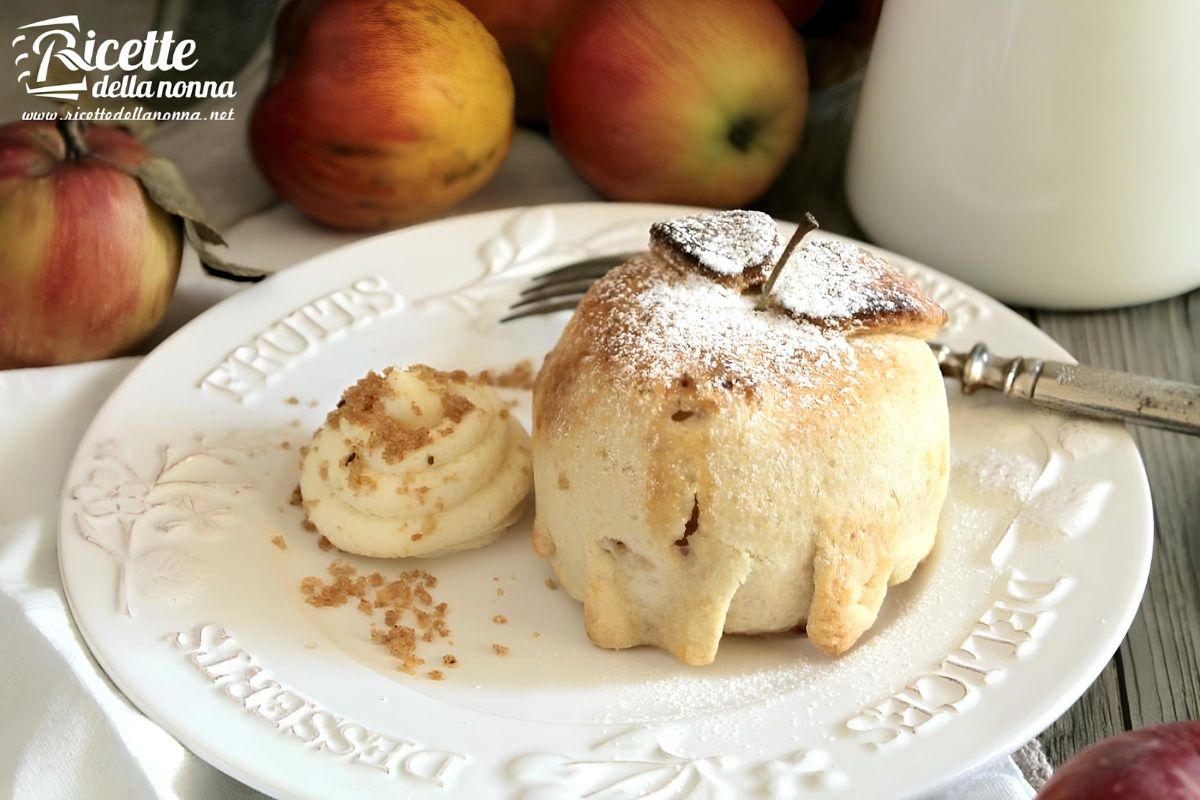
(450, 660)
(416, 537)
(520, 376)
(325, 544)
(455, 407)
(279, 542)
(410, 615)
(504, 414)
(286, 445)
(499, 593)
(296, 498)
(308, 526)
(551, 584)
(499, 649)
(364, 404)
(338, 592)
(292, 400)
(500, 619)
(496, 578)
(537, 634)
(435, 675)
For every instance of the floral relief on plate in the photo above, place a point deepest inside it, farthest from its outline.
(143, 512)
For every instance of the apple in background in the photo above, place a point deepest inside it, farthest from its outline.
(379, 113)
(799, 12)
(1159, 763)
(87, 260)
(527, 31)
(678, 101)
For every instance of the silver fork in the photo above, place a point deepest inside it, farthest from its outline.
(1072, 388)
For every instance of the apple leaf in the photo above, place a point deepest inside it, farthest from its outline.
(212, 263)
(168, 189)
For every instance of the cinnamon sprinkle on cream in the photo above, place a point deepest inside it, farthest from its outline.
(365, 404)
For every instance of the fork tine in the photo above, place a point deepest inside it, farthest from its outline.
(545, 308)
(561, 289)
(592, 266)
(546, 291)
(574, 297)
(590, 275)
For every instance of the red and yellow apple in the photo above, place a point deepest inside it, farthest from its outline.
(87, 260)
(527, 31)
(678, 101)
(799, 12)
(1157, 763)
(379, 113)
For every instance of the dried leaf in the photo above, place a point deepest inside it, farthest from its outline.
(215, 265)
(167, 187)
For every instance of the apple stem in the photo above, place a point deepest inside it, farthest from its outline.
(72, 133)
(803, 230)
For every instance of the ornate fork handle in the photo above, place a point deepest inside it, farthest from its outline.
(1077, 389)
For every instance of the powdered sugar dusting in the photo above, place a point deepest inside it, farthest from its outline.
(725, 242)
(834, 280)
(684, 326)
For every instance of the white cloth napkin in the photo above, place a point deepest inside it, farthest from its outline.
(67, 732)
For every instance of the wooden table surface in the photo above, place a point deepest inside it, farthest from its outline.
(1155, 675)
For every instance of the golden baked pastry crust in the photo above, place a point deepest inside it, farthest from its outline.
(704, 468)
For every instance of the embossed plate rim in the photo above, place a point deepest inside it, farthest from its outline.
(605, 216)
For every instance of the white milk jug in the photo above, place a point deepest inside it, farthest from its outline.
(1045, 151)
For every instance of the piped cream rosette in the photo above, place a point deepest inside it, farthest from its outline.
(416, 463)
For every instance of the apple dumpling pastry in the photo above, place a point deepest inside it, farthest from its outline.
(416, 462)
(703, 467)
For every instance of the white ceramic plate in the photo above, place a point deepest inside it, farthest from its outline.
(183, 479)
